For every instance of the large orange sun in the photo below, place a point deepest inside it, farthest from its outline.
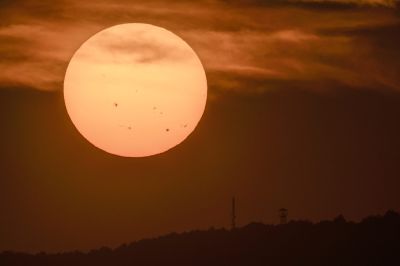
(135, 90)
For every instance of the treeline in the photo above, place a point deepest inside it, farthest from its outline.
(373, 241)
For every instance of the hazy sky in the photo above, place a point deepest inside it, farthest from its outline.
(303, 113)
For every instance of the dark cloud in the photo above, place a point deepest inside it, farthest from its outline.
(317, 4)
(320, 5)
(379, 49)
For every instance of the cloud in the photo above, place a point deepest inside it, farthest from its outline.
(238, 41)
(133, 45)
(37, 55)
(319, 4)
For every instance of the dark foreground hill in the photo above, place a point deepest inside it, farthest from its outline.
(374, 241)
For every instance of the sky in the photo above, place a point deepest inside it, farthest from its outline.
(303, 112)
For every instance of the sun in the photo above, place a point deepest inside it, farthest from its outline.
(135, 90)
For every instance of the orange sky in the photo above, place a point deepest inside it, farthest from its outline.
(303, 111)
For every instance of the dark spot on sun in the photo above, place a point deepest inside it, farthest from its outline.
(154, 108)
(167, 129)
(129, 128)
(116, 104)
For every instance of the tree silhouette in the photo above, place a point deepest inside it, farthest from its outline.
(373, 241)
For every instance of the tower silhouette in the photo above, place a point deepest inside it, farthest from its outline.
(283, 214)
(233, 224)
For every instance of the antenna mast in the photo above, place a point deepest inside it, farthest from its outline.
(233, 213)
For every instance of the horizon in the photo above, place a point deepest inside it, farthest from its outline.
(290, 222)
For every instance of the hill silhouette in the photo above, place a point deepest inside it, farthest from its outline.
(373, 241)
